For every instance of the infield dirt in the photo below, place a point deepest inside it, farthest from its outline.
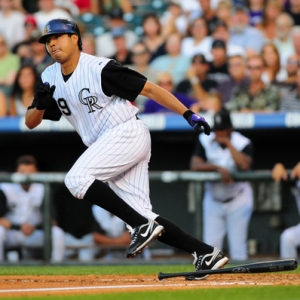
(20, 285)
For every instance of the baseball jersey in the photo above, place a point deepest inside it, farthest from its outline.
(91, 99)
(212, 152)
(23, 206)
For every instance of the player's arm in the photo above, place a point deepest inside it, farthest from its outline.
(163, 97)
(128, 84)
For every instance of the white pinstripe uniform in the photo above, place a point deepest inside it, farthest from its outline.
(25, 207)
(222, 216)
(118, 144)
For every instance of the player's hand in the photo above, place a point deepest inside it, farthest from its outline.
(27, 229)
(197, 122)
(225, 175)
(295, 174)
(279, 172)
(44, 94)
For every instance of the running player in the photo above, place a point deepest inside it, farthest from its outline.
(90, 92)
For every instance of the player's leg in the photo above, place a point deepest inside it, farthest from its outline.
(114, 153)
(289, 241)
(137, 191)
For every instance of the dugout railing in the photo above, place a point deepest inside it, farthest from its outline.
(197, 178)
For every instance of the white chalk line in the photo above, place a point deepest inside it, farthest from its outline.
(125, 287)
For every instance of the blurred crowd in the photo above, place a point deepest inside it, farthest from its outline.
(246, 53)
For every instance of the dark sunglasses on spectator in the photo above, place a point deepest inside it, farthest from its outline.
(254, 67)
(139, 53)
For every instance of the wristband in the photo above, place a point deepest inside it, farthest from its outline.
(188, 114)
(194, 80)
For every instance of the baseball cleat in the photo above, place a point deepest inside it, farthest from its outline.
(211, 261)
(142, 236)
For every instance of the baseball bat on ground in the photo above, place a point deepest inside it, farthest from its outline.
(259, 267)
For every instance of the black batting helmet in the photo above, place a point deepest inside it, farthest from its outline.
(61, 26)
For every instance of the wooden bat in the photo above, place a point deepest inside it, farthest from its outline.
(259, 267)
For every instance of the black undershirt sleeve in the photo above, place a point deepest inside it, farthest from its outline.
(121, 81)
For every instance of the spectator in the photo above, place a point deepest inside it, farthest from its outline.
(23, 47)
(256, 12)
(39, 56)
(197, 85)
(221, 32)
(174, 20)
(237, 72)
(218, 68)
(3, 104)
(165, 81)
(21, 215)
(78, 237)
(198, 40)
(153, 37)
(173, 62)
(9, 65)
(290, 237)
(223, 11)
(208, 14)
(242, 34)
(48, 11)
(105, 7)
(292, 101)
(123, 54)
(11, 23)
(105, 44)
(227, 205)
(255, 96)
(23, 90)
(140, 63)
(88, 43)
(69, 6)
(272, 10)
(293, 9)
(273, 70)
(212, 103)
(290, 84)
(295, 33)
(283, 40)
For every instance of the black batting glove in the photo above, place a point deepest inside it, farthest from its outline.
(197, 122)
(44, 94)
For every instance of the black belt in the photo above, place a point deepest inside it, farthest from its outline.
(229, 199)
(136, 116)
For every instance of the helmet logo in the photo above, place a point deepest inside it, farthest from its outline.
(47, 29)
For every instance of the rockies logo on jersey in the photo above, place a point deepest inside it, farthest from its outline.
(90, 101)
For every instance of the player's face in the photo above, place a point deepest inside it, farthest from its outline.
(62, 46)
(26, 169)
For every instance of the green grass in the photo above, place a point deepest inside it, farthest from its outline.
(246, 293)
(97, 270)
(92, 270)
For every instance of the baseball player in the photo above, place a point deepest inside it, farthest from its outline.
(227, 205)
(21, 215)
(290, 237)
(94, 95)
